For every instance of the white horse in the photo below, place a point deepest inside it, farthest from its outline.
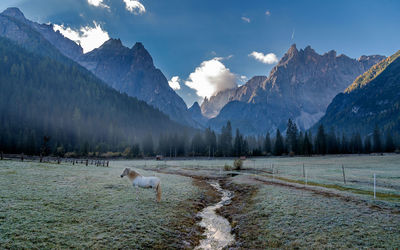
(144, 182)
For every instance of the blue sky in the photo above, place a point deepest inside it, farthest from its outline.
(207, 44)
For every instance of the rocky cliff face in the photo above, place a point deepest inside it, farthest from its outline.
(300, 87)
(132, 71)
(211, 107)
(372, 99)
(14, 26)
(128, 70)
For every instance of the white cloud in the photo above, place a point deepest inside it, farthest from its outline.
(174, 83)
(246, 19)
(268, 13)
(88, 37)
(242, 80)
(98, 3)
(135, 7)
(211, 77)
(267, 59)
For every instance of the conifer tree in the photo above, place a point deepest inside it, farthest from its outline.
(279, 146)
(377, 140)
(320, 142)
(291, 136)
(267, 144)
(389, 146)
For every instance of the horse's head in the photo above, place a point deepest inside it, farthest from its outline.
(126, 172)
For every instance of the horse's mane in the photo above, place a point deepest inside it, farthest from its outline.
(133, 174)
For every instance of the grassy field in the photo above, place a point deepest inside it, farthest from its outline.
(325, 170)
(282, 217)
(65, 206)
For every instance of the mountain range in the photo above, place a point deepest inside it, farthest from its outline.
(300, 87)
(43, 93)
(373, 99)
(130, 71)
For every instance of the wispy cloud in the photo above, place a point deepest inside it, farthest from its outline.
(268, 13)
(293, 34)
(174, 83)
(242, 79)
(270, 58)
(98, 3)
(89, 37)
(135, 6)
(246, 19)
(211, 77)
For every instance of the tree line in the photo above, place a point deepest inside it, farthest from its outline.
(208, 143)
(293, 142)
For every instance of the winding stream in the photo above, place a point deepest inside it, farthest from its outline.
(217, 228)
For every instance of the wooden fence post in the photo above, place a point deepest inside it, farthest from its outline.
(2, 155)
(306, 179)
(58, 160)
(87, 161)
(22, 157)
(344, 176)
(107, 163)
(374, 186)
(40, 157)
(304, 171)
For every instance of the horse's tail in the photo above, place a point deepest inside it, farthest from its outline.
(158, 189)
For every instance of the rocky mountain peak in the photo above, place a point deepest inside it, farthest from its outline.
(141, 55)
(112, 44)
(331, 54)
(369, 61)
(15, 13)
(299, 87)
(196, 115)
(292, 50)
(309, 50)
(195, 107)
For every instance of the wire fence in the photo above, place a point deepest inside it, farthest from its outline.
(56, 160)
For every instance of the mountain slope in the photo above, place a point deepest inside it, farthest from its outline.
(41, 96)
(372, 99)
(128, 70)
(15, 27)
(195, 113)
(300, 87)
(132, 71)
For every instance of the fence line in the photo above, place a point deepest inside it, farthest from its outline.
(56, 160)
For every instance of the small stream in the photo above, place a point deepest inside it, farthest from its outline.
(217, 228)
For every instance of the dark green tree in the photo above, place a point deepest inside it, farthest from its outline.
(225, 140)
(291, 137)
(389, 146)
(377, 140)
(307, 145)
(320, 141)
(279, 146)
(367, 145)
(267, 144)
